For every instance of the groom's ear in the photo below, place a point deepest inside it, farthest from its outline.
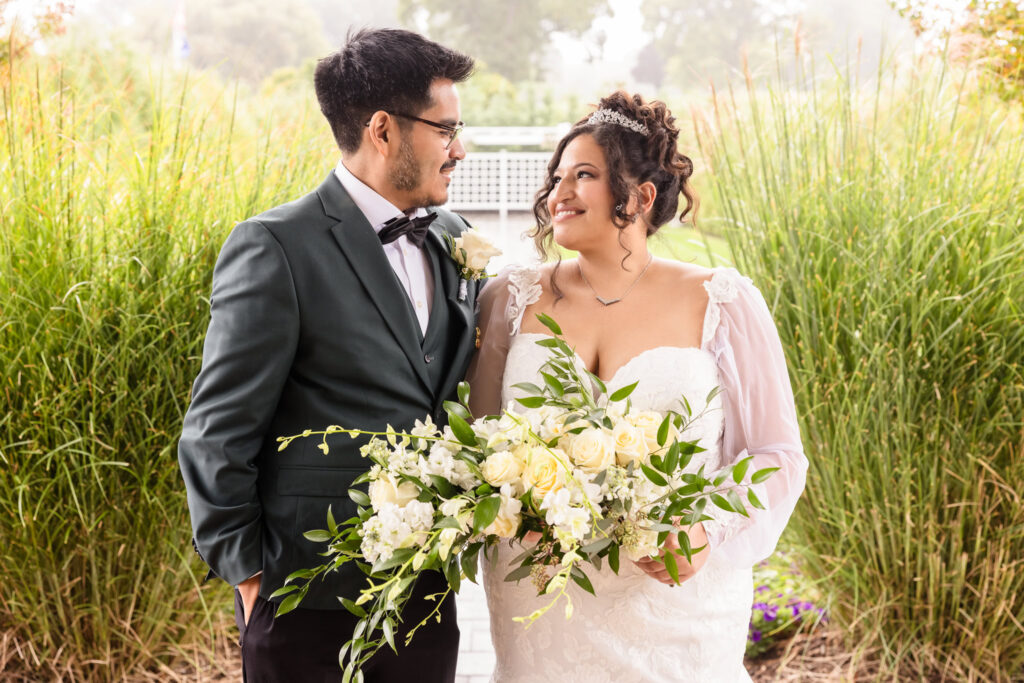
(378, 127)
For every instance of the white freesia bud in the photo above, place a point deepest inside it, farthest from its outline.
(386, 490)
(592, 450)
(445, 541)
(479, 249)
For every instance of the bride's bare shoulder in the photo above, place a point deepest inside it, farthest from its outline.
(683, 278)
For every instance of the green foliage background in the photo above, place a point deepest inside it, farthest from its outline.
(882, 220)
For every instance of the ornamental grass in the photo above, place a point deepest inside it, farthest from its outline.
(883, 219)
(119, 187)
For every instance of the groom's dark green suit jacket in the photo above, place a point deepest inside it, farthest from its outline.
(309, 327)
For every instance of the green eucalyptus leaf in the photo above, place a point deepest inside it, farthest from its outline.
(388, 627)
(463, 432)
(453, 408)
(352, 607)
(519, 573)
(531, 401)
(318, 535)
(528, 387)
(582, 580)
(762, 475)
(284, 590)
(663, 430)
(549, 322)
(740, 469)
(653, 475)
(554, 385)
(289, 603)
(463, 391)
(485, 513)
(754, 500)
(624, 392)
(721, 502)
(359, 497)
(613, 557)
(672, 566)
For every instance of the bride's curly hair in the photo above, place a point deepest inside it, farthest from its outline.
(633, 158)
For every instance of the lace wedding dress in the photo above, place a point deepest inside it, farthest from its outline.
(636, 628)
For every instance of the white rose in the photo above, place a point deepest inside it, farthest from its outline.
(630, 443)
(501, 468)
(386, 490)
(592, 450)
(479, 250)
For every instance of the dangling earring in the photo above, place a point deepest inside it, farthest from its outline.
(618, 208)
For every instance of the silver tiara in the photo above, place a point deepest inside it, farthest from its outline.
(609, 116)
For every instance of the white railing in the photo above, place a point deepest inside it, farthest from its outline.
(498, 181)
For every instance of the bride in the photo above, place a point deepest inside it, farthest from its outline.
(681, 330)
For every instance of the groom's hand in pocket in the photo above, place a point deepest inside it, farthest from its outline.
(249, 590)
(655, 566)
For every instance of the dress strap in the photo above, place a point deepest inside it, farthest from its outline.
(524, 289)
(723, 287)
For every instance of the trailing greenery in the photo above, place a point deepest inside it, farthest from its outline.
(119, 188)
(883, 222)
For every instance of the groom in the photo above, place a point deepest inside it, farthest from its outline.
(332, 309)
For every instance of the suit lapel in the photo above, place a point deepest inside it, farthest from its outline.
(461, 312)
(362, 249)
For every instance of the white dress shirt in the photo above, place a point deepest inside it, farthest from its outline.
(410, 264)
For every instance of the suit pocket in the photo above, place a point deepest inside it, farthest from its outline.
(317, 482)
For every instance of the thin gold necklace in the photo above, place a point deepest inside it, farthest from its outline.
(609, 302)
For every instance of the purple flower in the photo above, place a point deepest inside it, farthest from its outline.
(762, 589)
(755, 636)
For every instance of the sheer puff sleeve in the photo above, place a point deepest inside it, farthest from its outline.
(501, 306)
(759, 415)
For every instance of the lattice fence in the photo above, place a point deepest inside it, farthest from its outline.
(497, 181)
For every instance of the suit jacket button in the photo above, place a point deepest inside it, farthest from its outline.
(428, 358)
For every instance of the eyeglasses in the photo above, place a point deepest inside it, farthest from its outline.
(453, 131)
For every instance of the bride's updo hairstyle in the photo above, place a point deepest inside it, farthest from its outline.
(633, 157)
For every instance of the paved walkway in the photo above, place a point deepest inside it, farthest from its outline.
(476, 656)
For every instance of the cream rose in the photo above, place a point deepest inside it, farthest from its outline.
(543, 472)
(648, 422)
(501, 468)
(592, 450)
(385, 490)
(630, 443)
(506, 524)
(479, 250)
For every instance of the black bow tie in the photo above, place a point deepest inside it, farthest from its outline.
(414, 228)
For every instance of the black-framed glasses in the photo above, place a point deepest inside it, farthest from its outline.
(453, 131)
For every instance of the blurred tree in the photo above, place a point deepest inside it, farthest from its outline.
(992, 30)
(244, 39)
(336, 25)
(509, 38)
(706, 39)
(249, 39)
(20, 29)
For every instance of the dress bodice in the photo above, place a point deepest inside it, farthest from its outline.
(635, 628)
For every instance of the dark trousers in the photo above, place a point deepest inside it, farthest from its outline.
(302, 646)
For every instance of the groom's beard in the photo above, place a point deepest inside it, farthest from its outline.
(407, 175)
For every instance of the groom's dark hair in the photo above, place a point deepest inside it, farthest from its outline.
(381, 69)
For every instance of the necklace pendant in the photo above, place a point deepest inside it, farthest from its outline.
(608, 302)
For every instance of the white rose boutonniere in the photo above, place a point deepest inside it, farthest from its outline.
(471, 251)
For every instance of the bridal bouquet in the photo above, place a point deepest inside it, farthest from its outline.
(593, 478)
